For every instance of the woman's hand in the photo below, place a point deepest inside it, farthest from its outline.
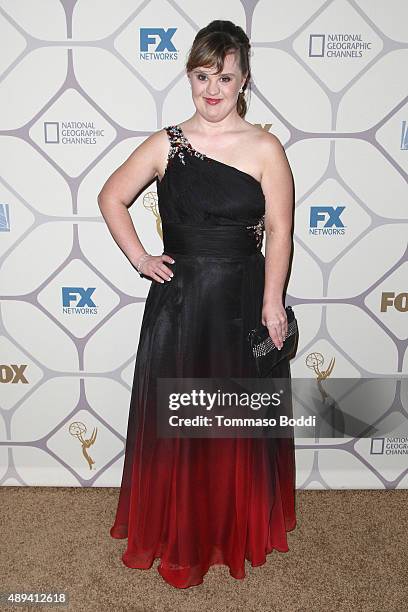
(275, 318)
(154, 267)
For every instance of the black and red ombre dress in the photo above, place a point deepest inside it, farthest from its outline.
(196, 502)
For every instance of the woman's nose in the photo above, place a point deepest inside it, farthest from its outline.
(212, 90)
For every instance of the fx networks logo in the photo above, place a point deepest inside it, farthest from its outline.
(404, 137)
(389, 446)
(77, 300)
(337, 45)
(156, 43)
(325, 220)
(4, 217)
(13, 374)
(399, 301)
(72, 132)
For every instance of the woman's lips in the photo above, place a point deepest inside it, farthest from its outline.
(212, 100)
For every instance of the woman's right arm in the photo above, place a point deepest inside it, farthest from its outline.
(118, 193)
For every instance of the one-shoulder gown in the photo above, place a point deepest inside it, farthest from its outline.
(197, 502)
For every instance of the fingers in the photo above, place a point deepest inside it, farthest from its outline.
(278, 330)
(276, 336)
(155, 267)
(164, 272)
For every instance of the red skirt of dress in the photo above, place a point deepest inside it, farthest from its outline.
(197, 502)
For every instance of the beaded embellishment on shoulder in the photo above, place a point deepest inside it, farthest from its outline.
(258, 230)
(180, 144)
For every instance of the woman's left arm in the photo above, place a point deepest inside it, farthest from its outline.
(277, 185)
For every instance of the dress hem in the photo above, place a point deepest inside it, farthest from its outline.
(120, 533)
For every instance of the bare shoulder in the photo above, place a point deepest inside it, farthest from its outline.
(270, 144)
(266, 148)
(157, 141)
(152, 151)
(275, 165)
(160, 143)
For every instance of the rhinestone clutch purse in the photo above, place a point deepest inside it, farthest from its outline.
(263, 348)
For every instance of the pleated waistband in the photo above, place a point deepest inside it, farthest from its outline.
(215, 241)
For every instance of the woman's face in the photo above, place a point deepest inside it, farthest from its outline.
(215, 95)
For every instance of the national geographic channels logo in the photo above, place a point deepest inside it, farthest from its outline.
(389, 446)
(72, 132)
(4, 217)
(337, 45)
(404, 136)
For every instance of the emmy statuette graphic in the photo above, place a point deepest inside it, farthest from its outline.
(78, 430)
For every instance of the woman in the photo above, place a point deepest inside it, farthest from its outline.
(196, 502)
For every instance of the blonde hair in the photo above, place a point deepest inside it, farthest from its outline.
(211, 45)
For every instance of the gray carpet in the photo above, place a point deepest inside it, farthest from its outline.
(348, 552)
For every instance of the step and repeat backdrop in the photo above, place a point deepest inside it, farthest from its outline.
(82, 84)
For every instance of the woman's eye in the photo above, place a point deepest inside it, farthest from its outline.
(227, 79)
